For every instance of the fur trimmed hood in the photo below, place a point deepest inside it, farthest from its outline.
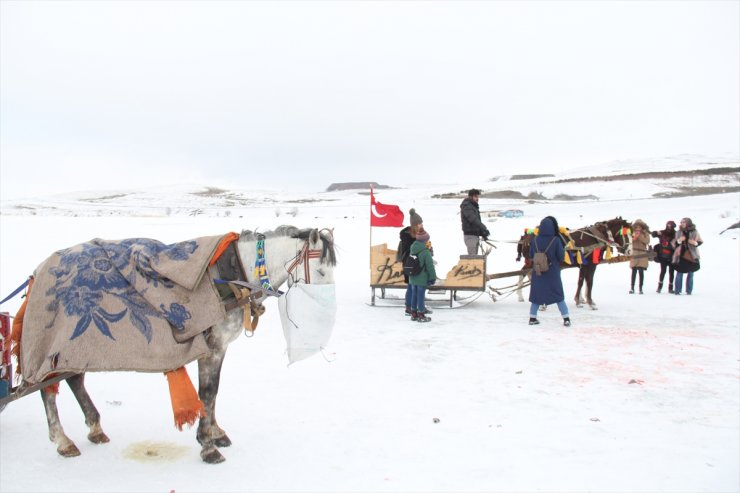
(641, 224)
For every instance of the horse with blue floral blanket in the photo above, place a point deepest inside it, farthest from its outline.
(140, 305)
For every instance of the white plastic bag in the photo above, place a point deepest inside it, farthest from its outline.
(307, 312)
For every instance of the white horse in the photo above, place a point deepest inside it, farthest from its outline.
(291, 255)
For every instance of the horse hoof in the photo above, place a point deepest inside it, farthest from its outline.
(212, 456)
(98, 438)
(223, 441)
(69, 451)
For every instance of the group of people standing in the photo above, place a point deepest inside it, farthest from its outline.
(676, 252)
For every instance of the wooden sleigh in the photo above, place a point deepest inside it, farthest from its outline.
(469, 275)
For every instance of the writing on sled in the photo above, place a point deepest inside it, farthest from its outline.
(469, 274)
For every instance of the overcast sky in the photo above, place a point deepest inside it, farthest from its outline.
(298, 95)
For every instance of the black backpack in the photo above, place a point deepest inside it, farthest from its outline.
(412, 266)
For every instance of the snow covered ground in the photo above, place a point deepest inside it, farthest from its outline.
(641, 395)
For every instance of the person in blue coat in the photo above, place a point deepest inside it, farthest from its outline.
(547, 287)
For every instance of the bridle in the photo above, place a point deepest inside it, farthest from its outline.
(625, 233)
(304, 255)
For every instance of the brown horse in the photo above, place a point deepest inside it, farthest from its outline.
(602, 235)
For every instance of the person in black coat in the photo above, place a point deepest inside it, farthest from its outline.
(547, 287)
(664, 254)
(408, 237)
(472, 226)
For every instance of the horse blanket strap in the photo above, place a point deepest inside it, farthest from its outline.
(243, 296)
(260, 266)
(304, 256)
(247, 292)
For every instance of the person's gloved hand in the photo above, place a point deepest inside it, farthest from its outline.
(431, 282)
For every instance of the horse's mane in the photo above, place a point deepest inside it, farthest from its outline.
(328, 255)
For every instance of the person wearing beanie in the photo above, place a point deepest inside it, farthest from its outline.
(640, 247)
(407, 238)
(664, 254)
(415, 218)
(472, 226)
(686, 254)
(420, 281)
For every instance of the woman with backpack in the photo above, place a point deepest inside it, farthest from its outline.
(664, 254)
(547, 287)
(408, 237)
(426, 276)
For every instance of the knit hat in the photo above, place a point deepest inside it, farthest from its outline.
(670, 225)
(423, 236)
(415, 218)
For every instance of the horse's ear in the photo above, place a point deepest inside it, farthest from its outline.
(314, 236)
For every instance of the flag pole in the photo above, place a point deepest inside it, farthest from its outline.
(370, 249)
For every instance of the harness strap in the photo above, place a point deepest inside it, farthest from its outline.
(17, 290)
(304, 256)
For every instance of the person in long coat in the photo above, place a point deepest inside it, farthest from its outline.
(547, 287)
(686, 255)
(640, 248)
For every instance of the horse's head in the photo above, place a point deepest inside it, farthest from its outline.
(315, 261)
(288, 254)
(522, 247)
(619, 231)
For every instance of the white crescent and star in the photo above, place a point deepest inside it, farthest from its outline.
(375, 212)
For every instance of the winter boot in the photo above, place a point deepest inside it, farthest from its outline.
(414, 316)
(566, 321)
(640, 290)
(408, 311)
(632, 290)
(670, 288)
(533, 321)
(421, 318)
(660, 287)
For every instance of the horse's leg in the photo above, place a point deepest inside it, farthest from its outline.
(590, 285)
(519, 287)
(210, 435)
(578, 299)
(65, 446)
(92, 416)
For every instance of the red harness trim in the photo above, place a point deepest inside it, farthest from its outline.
(304, 256)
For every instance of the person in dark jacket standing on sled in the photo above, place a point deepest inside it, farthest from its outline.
(547, 287)
(472, 226)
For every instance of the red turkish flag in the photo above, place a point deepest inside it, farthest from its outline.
(384, 215)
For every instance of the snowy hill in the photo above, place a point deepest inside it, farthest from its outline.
(666, 177)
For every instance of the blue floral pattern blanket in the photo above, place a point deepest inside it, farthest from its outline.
(134, 304)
